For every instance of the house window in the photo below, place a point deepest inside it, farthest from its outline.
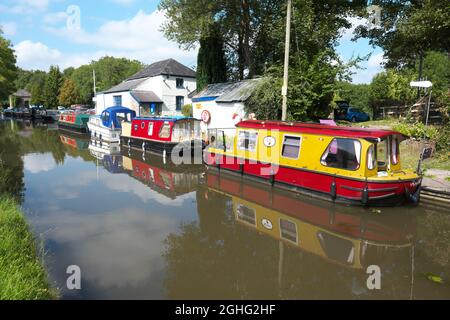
(117, 101)
(291, 147)
(247, 140)
(342, 154)
(179, 102)
(180, 83)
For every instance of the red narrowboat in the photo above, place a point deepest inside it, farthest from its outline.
(343, 164)
(163, 135)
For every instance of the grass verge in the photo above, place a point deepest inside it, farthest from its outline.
(22, 276)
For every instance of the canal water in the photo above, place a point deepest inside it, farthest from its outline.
(139, 227)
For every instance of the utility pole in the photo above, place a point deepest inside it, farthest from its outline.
(284, 89)
(95, 87)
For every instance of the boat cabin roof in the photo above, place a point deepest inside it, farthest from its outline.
(118, 109)
(168, 119)
(320, 129)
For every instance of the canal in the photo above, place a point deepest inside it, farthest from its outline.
(140, 227)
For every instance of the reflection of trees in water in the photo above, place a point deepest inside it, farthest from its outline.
(221, 258)
(17, 139)
(11, 166)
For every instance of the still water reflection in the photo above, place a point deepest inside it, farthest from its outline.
(140, 227)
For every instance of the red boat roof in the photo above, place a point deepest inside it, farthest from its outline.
(320, 129)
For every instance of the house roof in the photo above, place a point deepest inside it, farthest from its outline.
(229, 91)
(168, 67)
(312, 128)
(22, 93)
(145, 96)
(125, 86)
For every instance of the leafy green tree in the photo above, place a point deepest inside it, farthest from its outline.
(211, 62)
(52, 88)
(8, 69)
(389, 88)
(356, 94)
(409, 28)
(69, 94)
(36, 86)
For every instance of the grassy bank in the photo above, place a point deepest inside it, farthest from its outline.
(22, 276)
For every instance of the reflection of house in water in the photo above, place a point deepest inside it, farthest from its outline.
(163, 176)
(352, 239)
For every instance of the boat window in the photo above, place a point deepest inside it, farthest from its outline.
(246, 214)
(337, 248)
(105, 117)
(291, 147)
(382, 152)
(371, 158)
(395, 154)
(288, 230)
(150, 128)
(165, 131)
(247, 140)
(343, 154)
(142, 124)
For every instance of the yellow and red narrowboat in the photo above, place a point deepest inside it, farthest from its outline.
(73, 121)
(343, 164)
(163, 135)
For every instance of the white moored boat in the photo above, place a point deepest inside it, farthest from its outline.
(107, 127)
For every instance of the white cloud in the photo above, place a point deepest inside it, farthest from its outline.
(124, 2)
(376, 61)
(26, 7)
(9, 28)
(136, 38)
(55, 17)
(36, 163)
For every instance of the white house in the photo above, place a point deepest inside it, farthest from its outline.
(221, 105)
(161, 88)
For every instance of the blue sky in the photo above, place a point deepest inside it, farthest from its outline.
(46, 32)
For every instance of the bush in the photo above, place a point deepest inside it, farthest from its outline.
(187, 110)
(417, 130)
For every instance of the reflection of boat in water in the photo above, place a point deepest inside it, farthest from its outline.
(338, 234)
(74, 141)
(163, 176)
(108, 154)
(99, 150)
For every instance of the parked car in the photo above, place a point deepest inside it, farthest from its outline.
(352, 114)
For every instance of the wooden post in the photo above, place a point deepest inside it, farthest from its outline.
(284, 89)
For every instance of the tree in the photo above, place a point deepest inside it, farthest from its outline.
(211, 62)
(69, 94)
(52, 88)
(8, 69)
(36, 86)
(408, 29)
(356, 94)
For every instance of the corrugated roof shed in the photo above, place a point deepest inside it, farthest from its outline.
(22, 93)
(229, 91)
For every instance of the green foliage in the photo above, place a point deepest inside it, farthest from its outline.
(36, 86)
(357, 95)
(211, 63)
(390, 88)
(109, 72)
(22, 276)
(408, 28)
(52, 88)
(417, 130)
(187, 110)
(69, 94)
(8, 69)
